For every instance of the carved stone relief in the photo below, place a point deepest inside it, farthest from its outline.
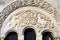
(23, 3)
(31, 18)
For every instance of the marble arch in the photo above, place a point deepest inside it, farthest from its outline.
(23, 3)
(42, 15)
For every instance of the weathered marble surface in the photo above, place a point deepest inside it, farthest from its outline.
(17, 4)
(25, 17)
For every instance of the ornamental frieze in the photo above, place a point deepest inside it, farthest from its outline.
(24, 3)
(32, 18)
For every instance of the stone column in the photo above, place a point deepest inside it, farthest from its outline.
(38, 36)
(1, 38)
(57, 38)
(20, 37)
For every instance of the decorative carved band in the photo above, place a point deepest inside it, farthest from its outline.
(31, 18)
(23, 3)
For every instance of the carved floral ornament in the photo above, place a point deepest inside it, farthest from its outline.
(31, 18)
(23, 3)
